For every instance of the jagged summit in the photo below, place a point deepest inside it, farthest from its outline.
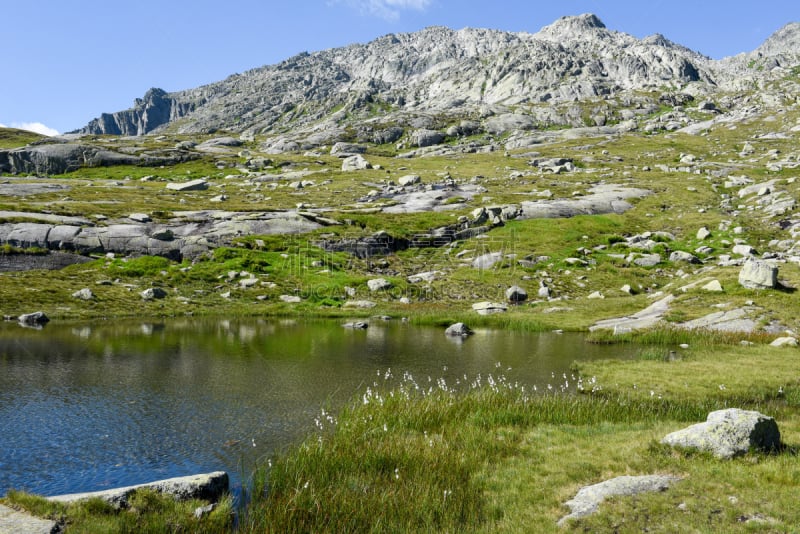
(784, 41)
(407, 78)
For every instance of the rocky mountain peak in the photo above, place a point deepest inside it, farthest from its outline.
(784, 41)
(574, 26)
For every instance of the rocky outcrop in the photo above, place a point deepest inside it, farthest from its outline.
(729, 433)
(189, 235)
(157, 108)
(59, 158)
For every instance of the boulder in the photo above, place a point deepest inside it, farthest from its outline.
(356, 325)
(487, 261)
(703, 233)
(516, 295)
(713, 286)
(588, 498)
(424, 137)
(409, 179)
(647, 260)
(355, 163)
(786, 341)
(33, 319)
(83, 294)
(379, 284)
(744, 250)
(152, 293)
(728, 433)
(458, 330)
(681, 256)
(758, 274)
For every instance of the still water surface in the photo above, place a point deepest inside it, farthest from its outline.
(98, 406)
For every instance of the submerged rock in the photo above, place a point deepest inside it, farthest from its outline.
(458, 330)
(37, 318)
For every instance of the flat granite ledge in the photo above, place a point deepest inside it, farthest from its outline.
(207, 486)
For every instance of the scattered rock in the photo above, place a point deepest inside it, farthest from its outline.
(757, 274)
(588, 498)
(728, 433)
(152, 293)
(290, 299)
(703, 233)
(83, 294)
(595, 295)
(139, 217)
(516, 295)
(487, 261)
(713, 286)
(681, 256)
(409, 179)
(786, 341)
(379, 284)
(355, 163)
(458, 330)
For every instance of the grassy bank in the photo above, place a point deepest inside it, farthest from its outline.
(495, 457)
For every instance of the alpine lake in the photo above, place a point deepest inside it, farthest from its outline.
(87, 407)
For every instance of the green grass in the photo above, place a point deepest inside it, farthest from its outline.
(14, 138)
(146, 511)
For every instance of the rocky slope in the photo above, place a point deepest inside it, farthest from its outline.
(574, 72)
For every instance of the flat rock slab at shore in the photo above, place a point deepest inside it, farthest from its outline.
(208, 486)
(15, 522)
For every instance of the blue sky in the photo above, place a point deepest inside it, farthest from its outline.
(67, 61)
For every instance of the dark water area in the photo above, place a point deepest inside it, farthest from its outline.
(103, 405)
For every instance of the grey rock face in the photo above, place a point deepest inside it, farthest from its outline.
(472, 72)
(157, 108)
(458, 330)
(729, 433)
(588, 499)
(757, 274)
